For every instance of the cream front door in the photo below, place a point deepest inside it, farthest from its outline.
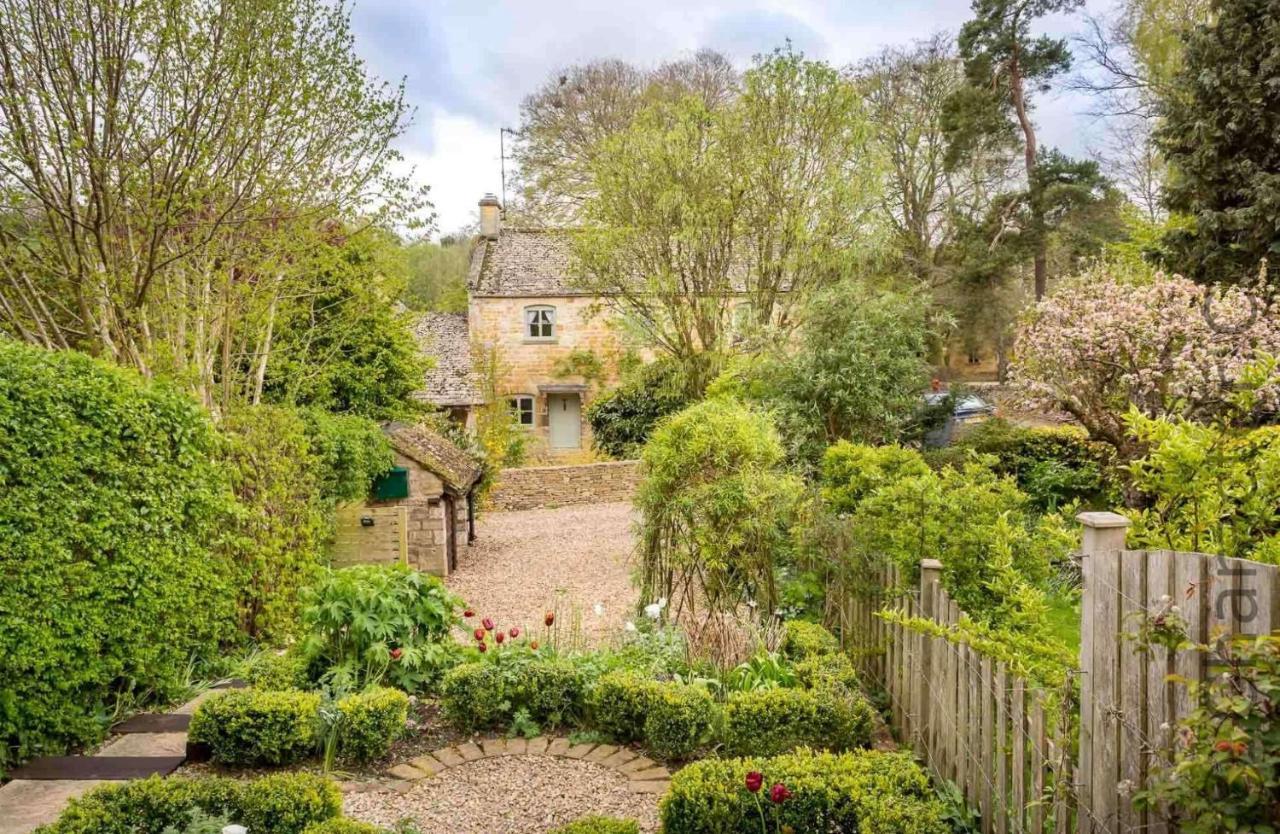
(564, 416)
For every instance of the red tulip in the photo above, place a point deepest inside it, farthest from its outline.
(755, 779)
(533, 644)
(549, 618)
(483, 647)
(515, 632)
(487, 623)
(468, 613)
(395, 654)
(779, 794)
(1223, 746)
(478, 634)
(499, 637)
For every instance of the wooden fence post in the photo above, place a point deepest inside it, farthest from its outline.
(1103, 542)
(930, 581)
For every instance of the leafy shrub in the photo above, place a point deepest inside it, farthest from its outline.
(250, 727)
(472, 696)
(282, 803)
(342, 825)
(870, 792)
(802, 640)
(1224, 771)
(272, 671)
(851, 471)
(489, 692)
(1054, 466)
(369, 722)
(765, 722)
(828, 671)
(679, 720)
(111, 505)
(622, 419)
(350, 451)
(369, 624)
(619, 702)
(716, 505)
(599, 825)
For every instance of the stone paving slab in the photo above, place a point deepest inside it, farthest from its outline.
(146, 744)
(26, 805)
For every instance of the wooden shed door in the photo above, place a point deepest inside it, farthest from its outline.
(451, 532)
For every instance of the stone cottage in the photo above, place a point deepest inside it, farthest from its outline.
(419, 513)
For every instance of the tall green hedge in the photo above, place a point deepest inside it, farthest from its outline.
(110, 500)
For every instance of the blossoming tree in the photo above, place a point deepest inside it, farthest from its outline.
(1106, 342)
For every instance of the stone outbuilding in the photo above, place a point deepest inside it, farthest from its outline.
(420, 513)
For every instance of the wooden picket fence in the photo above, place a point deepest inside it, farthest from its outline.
(1036, 759)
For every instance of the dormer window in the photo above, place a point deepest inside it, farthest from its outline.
(540, 323)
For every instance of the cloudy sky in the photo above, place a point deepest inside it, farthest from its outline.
(468, 63)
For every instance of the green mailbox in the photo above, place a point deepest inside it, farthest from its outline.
(392, 486)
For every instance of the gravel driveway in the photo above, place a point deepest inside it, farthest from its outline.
(571, 560)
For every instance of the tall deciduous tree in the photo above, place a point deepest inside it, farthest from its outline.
(1221, 134)
(1004, 63)
(763, 199)
(162, 160)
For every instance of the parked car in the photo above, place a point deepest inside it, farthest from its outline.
(967, 409)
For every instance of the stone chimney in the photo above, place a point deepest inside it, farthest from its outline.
(490, 217)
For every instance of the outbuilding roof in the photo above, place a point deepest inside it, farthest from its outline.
(436, 453)
(453, 380)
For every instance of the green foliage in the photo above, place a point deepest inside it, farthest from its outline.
(437, 274)
(864, 791)
(716, 506)
(619, 702)
(581, 363)
(111, 508)
(856, 372)
(1207, 488)
(473, 697)
(833, 672)
(342, 825)
(803, 640)
(852, 471)
(1226, 767)
(765, 722)
(1054, 466)
(599, 825)
(679, 721)
(996, 552)
(282, 803)
(341, 346)
(622, 419)
(545, 691)
(1218, 127)
(357, 618)
(350, 452)
(277, 671)
(369, 722)
(253, 727)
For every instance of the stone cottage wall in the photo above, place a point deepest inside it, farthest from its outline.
(558, 486)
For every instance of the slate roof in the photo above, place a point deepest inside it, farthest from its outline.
(522, 263)
(453, 381)
(436, 453)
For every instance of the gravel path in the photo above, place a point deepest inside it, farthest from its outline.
(511, 795)
(572, 560)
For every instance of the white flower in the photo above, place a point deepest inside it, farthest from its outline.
(599, 609)
(629, 626)
(654, 609)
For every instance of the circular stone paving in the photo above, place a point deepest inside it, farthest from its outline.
(515, 787)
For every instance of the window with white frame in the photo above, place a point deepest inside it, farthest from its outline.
(522, 408)
(540, 323)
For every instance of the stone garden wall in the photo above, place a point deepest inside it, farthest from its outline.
(556, 486)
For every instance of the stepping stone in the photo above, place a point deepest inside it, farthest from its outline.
(470, 751)
(115, 768)
(427, 764)
(538, 746)
(407, 772)
(400, 786)
(154, 723)
(448, 757)
(558, 747)
(494, 747)
(652, 786)
(650, 774)
(517, 746)
(146, 744)
(26, 805)
(641, 763)
(620, 758)
(601, 753)
(579, 751)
